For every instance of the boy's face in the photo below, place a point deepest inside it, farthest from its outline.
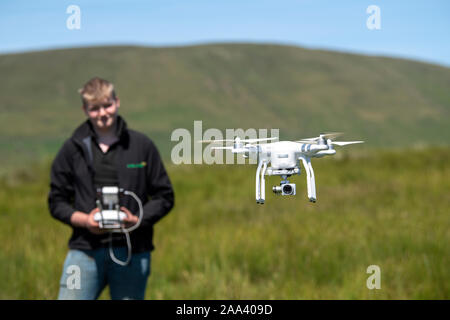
(103, 114)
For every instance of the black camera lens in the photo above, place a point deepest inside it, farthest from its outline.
(287, 189)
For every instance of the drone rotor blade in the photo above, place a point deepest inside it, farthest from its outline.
(344, 143)
(327, 135)
(235, 140)
(215, 141)
(221, 148)
(331, 135)
(256, 140)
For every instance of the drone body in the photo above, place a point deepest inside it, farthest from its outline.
(284, 158)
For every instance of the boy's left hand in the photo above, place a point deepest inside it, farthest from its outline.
(131, 219)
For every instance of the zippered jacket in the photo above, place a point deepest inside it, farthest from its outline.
(139, 169)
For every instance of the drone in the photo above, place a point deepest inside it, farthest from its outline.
(284, 158)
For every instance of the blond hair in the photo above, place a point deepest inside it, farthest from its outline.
(97, 90)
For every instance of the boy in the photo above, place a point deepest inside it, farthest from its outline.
(104, 152)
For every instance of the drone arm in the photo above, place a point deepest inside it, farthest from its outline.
(310, 179)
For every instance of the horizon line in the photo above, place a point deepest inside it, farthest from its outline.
(224, 42)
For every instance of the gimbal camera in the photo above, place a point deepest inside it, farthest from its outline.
(285, 189)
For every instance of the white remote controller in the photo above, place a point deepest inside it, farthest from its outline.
(110, 219)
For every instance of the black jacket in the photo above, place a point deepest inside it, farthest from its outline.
(139, 169)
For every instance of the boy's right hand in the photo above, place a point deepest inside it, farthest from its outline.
(93, 225)
(83, 220)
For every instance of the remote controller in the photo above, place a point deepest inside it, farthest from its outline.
(110, 219)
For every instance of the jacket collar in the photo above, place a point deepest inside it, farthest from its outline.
(86, 130)
(85, 133)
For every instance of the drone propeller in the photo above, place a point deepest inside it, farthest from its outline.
(344, 143)
(221, 148)
(326, 138)
(328, 135)
(331, 135)
(236, 140)
(260, 139)
(338, 143)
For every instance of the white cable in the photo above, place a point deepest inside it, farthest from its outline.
(127, 231)
(111, 252)
(141, 210)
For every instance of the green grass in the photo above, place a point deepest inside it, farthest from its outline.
(388, 208)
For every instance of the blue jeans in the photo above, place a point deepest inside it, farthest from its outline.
(87, 272)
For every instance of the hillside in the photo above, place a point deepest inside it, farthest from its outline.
(387, 102)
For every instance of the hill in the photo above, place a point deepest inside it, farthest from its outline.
(387, 102)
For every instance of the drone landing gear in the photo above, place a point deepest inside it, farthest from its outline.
(310, 180)
(263, 170)
(260, 182)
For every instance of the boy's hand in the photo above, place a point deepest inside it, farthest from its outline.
(92, 225)
(131, 219)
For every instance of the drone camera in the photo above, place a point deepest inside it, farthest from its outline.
(287, 189)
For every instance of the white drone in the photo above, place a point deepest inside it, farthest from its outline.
(284, 157)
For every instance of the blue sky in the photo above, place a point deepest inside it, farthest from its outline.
(417, 30)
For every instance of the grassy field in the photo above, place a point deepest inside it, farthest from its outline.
(385, 208)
